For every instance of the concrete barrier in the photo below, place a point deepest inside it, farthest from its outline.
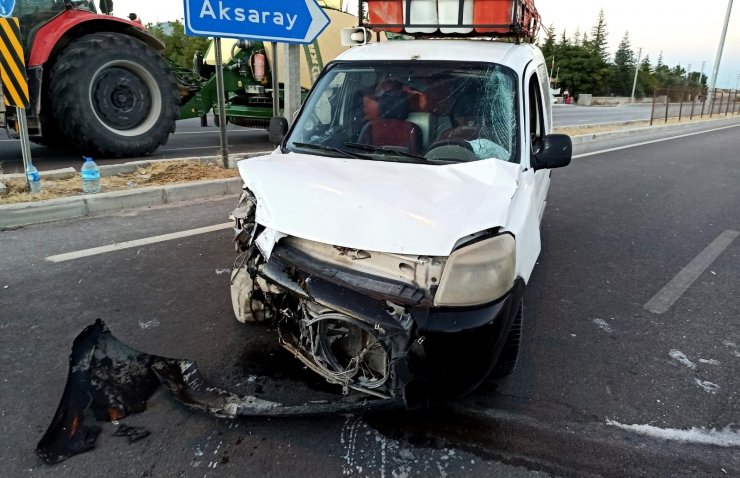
(584, 99)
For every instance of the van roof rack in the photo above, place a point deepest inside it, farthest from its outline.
(517, 19)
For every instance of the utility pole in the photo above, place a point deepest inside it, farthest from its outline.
(717, 60)
(701, 78)
(552, 67)
(637, 69)
(737, 83)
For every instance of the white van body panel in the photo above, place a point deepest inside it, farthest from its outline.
(380, 206)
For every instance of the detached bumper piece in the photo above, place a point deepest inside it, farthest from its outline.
(108, 381)
(375, 335)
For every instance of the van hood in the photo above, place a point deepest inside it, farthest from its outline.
(379, 206)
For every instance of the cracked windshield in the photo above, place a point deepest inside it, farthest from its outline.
(436, 113)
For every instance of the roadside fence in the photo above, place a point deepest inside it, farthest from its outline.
(689, 103)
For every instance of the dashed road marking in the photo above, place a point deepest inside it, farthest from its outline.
(668, 295)
(136, 243)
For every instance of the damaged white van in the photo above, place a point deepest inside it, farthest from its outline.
(391, 235)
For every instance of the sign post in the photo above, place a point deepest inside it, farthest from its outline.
(221, 103)
(14, 82)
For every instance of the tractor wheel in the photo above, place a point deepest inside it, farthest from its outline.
(113, 96)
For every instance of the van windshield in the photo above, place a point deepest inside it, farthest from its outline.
(427, 112)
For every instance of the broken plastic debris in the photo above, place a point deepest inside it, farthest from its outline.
(108, 381)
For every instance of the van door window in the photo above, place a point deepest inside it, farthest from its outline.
(536, 116)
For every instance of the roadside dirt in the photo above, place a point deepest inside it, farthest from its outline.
(157, 174)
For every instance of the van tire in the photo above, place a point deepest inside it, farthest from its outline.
(510, 354)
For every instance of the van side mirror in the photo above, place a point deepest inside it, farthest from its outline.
(556, 152)
(277, 130)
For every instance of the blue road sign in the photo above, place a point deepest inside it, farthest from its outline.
(6, 7)
(284, 21)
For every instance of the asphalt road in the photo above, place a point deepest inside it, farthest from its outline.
(620, 227)
(573, 115)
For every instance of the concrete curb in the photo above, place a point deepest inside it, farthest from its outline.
(25, 214)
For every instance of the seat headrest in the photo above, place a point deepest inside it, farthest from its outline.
(393, 105)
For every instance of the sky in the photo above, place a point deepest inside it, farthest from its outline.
(686, 32)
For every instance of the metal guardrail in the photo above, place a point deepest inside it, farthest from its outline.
(689, 103)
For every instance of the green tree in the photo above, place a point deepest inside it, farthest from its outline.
(624, 68)
(548, 46)
(598, 40)
(583, 66)
(577, 37)
(594, 59)
(179, 47)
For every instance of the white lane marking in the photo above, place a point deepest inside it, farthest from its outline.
(708, 387)
(149, 324)
(681, 357)
(185, 149)
(668, 295)
(727, 437)
(368, 453)
(138, 242)
(245, 130)
(603, 325)
(644, 143)
(202, 147)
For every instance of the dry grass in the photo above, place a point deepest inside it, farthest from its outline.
(157, 174)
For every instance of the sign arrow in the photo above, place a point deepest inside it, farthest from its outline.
(284, 21)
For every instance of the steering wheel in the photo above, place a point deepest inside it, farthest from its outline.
(451, 150)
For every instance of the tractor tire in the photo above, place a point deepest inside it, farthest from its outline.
(510, 354)
(113, 96)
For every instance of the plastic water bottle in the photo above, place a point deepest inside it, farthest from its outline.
(34, 179)
(90, 176)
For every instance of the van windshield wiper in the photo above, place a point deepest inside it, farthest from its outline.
(333, 149)
(387, 150)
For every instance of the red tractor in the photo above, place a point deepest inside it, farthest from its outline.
(97, 82)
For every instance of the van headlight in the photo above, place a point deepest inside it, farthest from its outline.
(478, 273)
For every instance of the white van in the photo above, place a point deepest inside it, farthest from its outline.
(391, 235)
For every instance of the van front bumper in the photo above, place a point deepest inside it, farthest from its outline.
(436, 353)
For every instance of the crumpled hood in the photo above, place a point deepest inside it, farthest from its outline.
(379, 206)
